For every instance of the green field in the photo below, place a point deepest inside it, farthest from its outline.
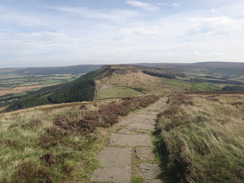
(188, 85)
(20, 80)
(116, 92)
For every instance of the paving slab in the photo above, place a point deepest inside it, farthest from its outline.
(149, 121)
(115, 157)
(130, 140)
(132, 131)
(153, 181)
(148, 171)
(143, 126)
(145, 153)
(133, 119)
(116, 175)
(145, 115)
(128, 131)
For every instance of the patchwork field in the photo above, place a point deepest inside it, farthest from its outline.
(17, 83)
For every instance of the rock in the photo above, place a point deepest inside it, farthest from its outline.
(144, 153)
(130, 140)
(143, 126)
(117, 175)
(115, 157)
(153, 181)
(148, 170)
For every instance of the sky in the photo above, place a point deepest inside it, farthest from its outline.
(37, 33)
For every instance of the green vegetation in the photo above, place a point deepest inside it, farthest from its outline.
(233, 88)
(191, 86)
(162, 75)
(26, 81)
(201, 138)
(35, 98)
(217, 81)
(136, 179)
(81, 89)
(116, 92)
(49, 144)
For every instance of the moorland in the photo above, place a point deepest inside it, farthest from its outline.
(54, 120)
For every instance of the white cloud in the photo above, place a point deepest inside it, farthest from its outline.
(176, 5)
(75, 35)
(142, 5)
(98, 14)
(213, 10)
(219, 26)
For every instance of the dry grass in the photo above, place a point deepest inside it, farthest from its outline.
(133, 79)
(203, 137)
(116, 92)
(58, 143)
(22, 146)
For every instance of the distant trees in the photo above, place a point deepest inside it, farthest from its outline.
(162, 75)
(73, 92)
(233, 88)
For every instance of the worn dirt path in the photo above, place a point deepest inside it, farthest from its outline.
(130, 149)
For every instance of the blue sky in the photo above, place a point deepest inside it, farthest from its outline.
(71, 32)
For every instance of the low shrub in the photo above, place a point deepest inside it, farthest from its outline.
(202, 142)
(30, 172)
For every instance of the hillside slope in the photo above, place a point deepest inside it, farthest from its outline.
(58, 143)
(114, 81)
(81, 89)
(84, 88)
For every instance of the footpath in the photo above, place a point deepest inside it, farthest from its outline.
(129, 153)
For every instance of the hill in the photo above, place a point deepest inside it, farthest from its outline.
(80, 89)
(199, 135)
(116, 81)
(97, 84)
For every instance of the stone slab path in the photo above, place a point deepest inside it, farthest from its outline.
(130, 149)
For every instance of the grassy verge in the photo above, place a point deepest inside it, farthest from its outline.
(201, 138)
(59, 144)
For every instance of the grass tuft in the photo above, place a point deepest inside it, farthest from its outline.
(203, 142)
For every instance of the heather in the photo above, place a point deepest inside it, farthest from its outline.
(58, 143)
(201, 138)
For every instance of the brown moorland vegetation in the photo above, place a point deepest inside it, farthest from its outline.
(201, 137)
(45, 144)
